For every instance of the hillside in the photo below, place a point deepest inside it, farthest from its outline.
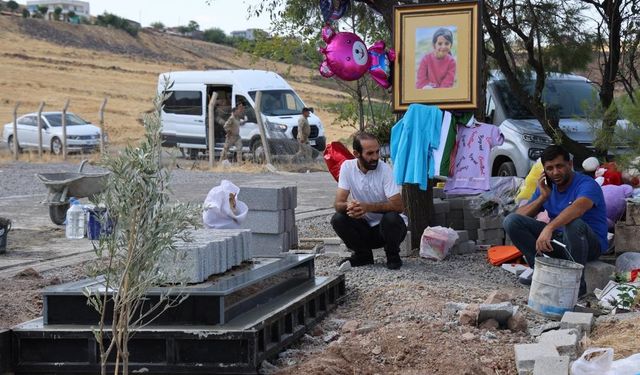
(52, 62)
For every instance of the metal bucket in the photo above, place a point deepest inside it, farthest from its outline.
(555, 286)
(5, 226)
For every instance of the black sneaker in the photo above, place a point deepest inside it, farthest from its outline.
(356, 262)
(525, 279)
(394, 264)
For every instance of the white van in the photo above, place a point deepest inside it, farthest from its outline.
(185, 119)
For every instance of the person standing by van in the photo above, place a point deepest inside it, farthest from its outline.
(232, 132)
(304, 130)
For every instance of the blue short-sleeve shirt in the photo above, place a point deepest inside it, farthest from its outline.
(581, 186)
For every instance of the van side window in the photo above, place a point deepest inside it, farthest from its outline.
(249, 111)
(184, 103)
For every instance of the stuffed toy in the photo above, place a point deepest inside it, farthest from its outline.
(615, 199)
(530, 182)
(347, 57)
(608, 174)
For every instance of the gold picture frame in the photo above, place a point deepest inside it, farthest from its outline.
(438, 50)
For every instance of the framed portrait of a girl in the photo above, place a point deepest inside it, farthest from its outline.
(438, 49)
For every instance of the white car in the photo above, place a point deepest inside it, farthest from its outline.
(81, 135)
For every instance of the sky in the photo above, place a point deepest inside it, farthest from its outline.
(228, 15)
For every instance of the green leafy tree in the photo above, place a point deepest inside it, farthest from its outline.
(215, 35)
(158, 25)
(57, 12)
(111, 20)
(193, 26)
(43, 9)
(12, 5)
(146, 227)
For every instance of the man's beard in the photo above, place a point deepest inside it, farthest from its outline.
(370, 166)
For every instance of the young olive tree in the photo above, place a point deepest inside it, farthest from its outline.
(146, 226)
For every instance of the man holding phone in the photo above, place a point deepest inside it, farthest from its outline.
(576, 207)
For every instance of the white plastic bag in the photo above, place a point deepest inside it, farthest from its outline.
(218, 207)
(594, 361)
(436, 242)
(627, 366)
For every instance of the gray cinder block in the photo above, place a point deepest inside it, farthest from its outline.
(551, 366)
(564, 340)
(270, 244)
(490, 234)
(527, 354)
(581, 321)
(264, 198)
(265, 221)
(491, 222)
(597, 274)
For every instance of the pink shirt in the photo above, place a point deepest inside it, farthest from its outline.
(436, 72)
(471, 170)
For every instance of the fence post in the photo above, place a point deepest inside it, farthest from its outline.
(212, 136)
(64, 130)
(102, 133)
(40, 129)
(263, 134)
(15, 131)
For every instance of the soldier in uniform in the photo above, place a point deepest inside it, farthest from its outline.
(304, 130)
(232, 132)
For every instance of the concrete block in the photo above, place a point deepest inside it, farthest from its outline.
(491, 222)
(259, 221)
(439, 220)
(527, 354)
(564, 340)
(507, 240)
(469, 216)
(293, 196)
(455, 224)
(440, 206)
(293, 238)
(270, 244)
(627, 238)
(633, 213)
(471, 223)
(289, 219)
(597, 274)
(438, 193)
(498, 311)
(457, 203)
(490, 234)
(580, 321)
(472, 233)
(264, 198)
(551, 366)
(463, 236)
(457, 215)
(492, 242)
(466, 247)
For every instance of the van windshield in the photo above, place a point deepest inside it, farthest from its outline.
(569, 98)
(279, 102)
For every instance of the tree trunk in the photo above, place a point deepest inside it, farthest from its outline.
(418, 205)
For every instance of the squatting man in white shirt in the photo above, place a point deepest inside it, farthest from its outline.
(372, 218)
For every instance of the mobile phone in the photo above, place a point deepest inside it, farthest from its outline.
(547, 180)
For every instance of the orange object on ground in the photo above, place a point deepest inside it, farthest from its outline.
(503, 254)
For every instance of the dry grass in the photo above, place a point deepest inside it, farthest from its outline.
(35, 70)
(621, 336)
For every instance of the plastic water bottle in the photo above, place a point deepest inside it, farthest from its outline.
(75, 220)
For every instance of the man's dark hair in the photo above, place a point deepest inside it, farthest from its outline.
(359, 137)
(305, 109)
(553, 152)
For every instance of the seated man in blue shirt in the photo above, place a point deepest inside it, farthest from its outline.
(576, 207)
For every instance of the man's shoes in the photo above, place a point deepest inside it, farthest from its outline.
(526, 277)
(394, 263)
(356, 262)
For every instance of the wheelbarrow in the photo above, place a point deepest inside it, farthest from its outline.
(65, 185)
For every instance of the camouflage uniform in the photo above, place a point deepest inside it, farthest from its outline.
(232, 129)
(304, 130)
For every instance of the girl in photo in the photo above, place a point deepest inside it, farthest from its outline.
(438, 68)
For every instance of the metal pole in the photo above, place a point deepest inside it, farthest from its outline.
(263, 134)
(212, 136)
(101, 114)
(40, 129)
(15, 131)
(64, 130)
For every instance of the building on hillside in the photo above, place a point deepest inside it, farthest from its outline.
(80, 8)
(249, 34)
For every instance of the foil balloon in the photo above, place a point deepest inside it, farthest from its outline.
(347, 57)
(333, 9)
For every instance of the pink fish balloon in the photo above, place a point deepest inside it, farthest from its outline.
(347, 57)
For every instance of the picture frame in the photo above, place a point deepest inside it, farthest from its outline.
(438, 49)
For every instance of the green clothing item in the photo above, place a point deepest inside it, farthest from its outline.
(460, 118)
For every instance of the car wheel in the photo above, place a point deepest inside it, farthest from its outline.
(56, 146)
(11, 145)
(257, 151)
(507, 169)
